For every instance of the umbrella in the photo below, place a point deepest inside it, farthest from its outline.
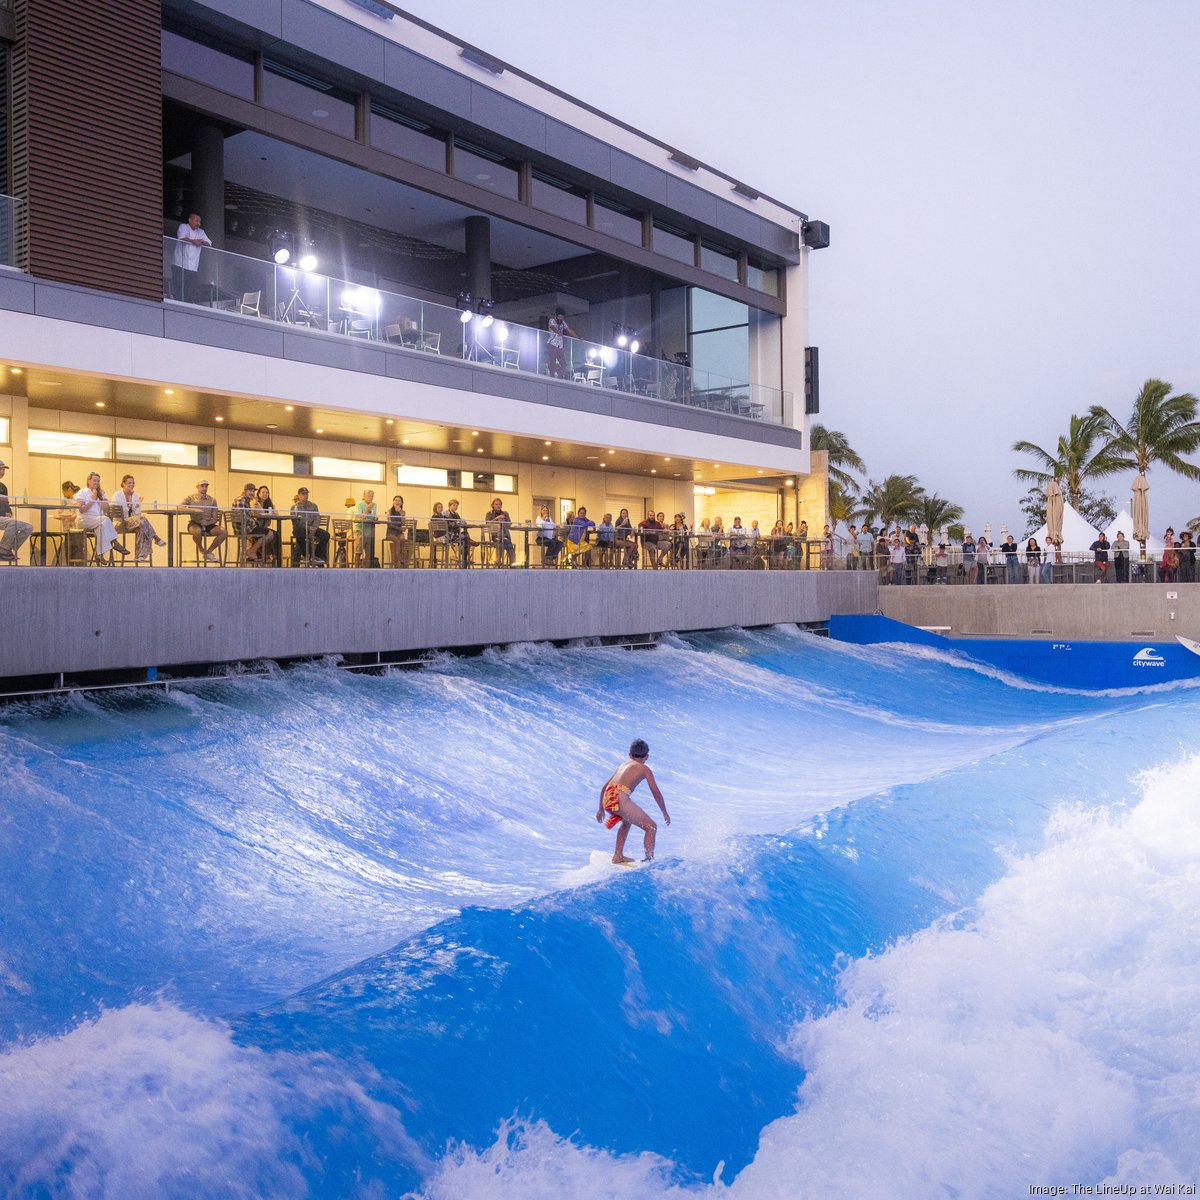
(1141, 509)
(1054, 512)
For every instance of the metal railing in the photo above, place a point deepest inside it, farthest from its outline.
(263, 290)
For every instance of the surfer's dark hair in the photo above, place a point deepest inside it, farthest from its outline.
(638, 749)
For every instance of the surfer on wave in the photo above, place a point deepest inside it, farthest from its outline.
(616, 801)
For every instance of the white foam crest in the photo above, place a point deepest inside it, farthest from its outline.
(147, 1101)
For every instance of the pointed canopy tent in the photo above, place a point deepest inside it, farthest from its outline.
(1077, 534)
(1124, 521)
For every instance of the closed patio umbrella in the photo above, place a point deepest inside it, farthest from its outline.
(1141, 509)
(1054, 512)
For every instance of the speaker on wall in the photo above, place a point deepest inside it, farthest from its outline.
(812, 380)
(815, 234)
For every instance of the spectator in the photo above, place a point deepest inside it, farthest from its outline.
(912, 552)
(547, 536)
(1170, 557)
(866, 548)
(681, 546)
(720, 544)
(802, 546)
(363, 524)
(1185, 553)
(556, 348)
(779, 546)
(606, 540)
(1050, 554)
(649, 535)
(264, 529)
(311, 541)
(968, 558)
(1033, 559)
(1012, 569)
(244, 522)
(396, 533)
(93, 516)
(883, 555)
(826, 563)
(1121, 557)
(626, 541)
(1099, 549)
(13, 533)
(941, 563)
(737, 543)
(899, 557)
(190, 240)
(579, 538)
(132, 520)
(498, 523)
(205, 521)
(852, 551)
(983, 559)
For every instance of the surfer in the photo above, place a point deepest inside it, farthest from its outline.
(616, 801)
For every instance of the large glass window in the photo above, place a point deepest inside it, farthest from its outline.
(63, 444)
(719, 261)
(674, 243)
(347, 468)
(554, 195)
(762, 279)
(218, 68)
(485, 168)
(307, 98)
(618, 220)
(176, 454)
(270, 462)
(407, 137)
(423, 476)
(719, 341)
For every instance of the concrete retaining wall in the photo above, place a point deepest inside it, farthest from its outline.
(72, 621)
(1104, 612)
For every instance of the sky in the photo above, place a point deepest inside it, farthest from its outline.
(1013, 192)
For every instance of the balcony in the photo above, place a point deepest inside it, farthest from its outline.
(262, 290)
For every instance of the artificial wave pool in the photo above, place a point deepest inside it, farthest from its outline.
(917, 930)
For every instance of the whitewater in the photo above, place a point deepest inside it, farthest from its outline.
(917, 929)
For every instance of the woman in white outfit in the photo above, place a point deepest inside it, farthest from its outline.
(130, 504)
(93, 515)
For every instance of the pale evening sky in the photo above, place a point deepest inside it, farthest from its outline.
(1013, 191)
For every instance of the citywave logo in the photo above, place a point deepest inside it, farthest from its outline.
(1148, 657)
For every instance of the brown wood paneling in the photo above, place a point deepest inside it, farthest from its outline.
(87, 142)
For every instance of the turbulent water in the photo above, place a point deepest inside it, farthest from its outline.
(916, 930)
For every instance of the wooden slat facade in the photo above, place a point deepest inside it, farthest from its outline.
(87, 142)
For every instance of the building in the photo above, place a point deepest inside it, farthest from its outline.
(452, 203)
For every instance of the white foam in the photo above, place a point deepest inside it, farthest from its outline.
(147, 1101)
(1046, 1038)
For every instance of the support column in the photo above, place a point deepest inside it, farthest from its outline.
(479, 257)
(208, 181)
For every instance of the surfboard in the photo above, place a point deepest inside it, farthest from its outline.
(1188, 644)
(603, 860)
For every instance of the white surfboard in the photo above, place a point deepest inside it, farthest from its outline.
(602, 860)
(1188, 644)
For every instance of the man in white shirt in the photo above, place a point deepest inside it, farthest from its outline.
(190, 239)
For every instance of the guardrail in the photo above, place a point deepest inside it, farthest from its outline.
(264, 290)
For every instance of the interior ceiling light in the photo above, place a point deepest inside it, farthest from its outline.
(465, 312)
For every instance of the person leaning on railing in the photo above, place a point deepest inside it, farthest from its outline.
(626, 539)
(13, 533)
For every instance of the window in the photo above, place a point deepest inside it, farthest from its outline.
(307, 98)
(719, 261)
(485, 481)
(347, 468)
(423, 476)
(4, 424)
(269, 462)
(70, 445)
(719, 341)
(674, 243)
(555, 195)
(618, 220)
(176, 454)
(485, 168)
(762, 279)
(407, 137)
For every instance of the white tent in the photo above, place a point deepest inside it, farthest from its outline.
(1154, 546)
(1077, 534)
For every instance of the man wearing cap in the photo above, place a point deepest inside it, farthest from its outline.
(306, 529)
(13, 533)
(205, 521)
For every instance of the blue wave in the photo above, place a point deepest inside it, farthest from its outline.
(361, 908)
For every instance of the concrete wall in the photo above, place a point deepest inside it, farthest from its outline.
(70, 621)
(1103, 612)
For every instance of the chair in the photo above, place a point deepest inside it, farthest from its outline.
(341, 544)
(431, 342)
(248, 304)
(308, 556)
(510, 357)
(393, 334)
(185, 542)
(358, 329)
(440, 546)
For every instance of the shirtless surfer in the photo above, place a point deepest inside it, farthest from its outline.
(615, 800)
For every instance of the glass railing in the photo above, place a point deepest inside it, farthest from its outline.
(255, 288)
(10, 222)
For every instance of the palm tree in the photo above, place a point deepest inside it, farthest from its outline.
(842, 502)
(1075, 458)
(936, 512)
(1162, 428)
(896, 498)
(840, 454)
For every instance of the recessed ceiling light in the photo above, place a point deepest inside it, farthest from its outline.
(717, 466)
(168, 391)
(389, 421)
(480, 450)
(320, 113)
(100, 404)
(545, 458)
(547, 443)
(474, 432)
(319, 431)
(653, 470)
(219, 418)
(15, 371)
(272, 426)
(289, 408)
(667, 459)
(760, 470)
(404, 442)
(604, 464)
